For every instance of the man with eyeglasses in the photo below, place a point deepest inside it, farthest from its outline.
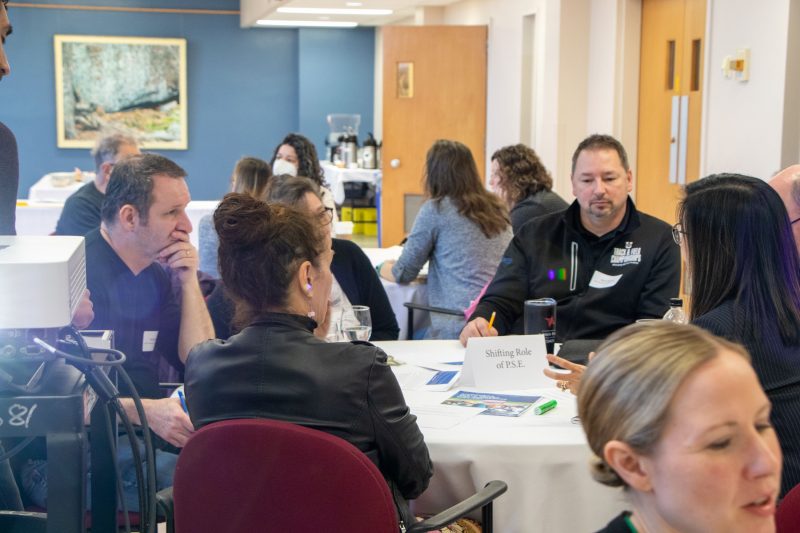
(605, 263)
(787, 184)
(81, 213)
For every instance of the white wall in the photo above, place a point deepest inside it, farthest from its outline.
(560, 77)
(586, 67)
(744, 121)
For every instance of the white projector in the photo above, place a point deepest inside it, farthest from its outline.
(42, 280)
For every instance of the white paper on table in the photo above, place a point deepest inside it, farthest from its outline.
(443, 416)
(416, 378)
(434, 362)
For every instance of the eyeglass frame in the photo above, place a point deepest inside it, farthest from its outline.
(678, 233)
(326, 215)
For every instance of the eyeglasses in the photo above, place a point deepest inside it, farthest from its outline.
(795, 220)
(678, 233)
(326, 215)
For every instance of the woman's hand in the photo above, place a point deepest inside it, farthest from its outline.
(571, 380)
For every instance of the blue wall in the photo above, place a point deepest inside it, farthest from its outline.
(247, 88)
(332, 62)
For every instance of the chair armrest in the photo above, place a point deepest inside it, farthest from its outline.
(166, 507)
(23, 522)
(482, 498)
(430, 308)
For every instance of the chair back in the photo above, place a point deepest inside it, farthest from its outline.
(787, 516)
(267, 475)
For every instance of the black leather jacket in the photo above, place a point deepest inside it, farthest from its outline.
(275, 368)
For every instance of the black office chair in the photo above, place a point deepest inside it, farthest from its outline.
(411, 306)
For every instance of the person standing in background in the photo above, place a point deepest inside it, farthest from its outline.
(9, 162)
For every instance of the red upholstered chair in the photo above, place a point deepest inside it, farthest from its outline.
(787, 517)
(270, 476)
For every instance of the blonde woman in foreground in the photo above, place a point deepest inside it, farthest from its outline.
(676, 416)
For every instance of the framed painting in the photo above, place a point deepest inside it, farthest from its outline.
(135, 84)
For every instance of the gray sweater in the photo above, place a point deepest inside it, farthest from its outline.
(462, 261)
(208, 246)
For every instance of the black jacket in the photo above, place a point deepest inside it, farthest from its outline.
(360, 282)
(554, 257)
(536, 205)
(275, 368)
(357, 278)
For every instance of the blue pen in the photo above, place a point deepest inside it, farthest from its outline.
(183, 402)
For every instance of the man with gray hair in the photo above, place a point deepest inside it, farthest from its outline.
(81, 213)
(787, 184)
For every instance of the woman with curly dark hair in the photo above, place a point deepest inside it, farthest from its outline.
(296, 156)
(520, 179)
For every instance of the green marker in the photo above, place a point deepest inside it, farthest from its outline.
(547, 406)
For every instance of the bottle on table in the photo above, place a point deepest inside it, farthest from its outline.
(676, 313)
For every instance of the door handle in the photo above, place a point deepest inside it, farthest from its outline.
(682, 139)
(674, 135)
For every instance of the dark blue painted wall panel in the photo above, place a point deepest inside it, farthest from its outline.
(334, 65)
(244, 85)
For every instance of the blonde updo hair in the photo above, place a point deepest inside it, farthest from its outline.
(627, 389)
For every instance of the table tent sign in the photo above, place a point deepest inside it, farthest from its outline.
(511, 362)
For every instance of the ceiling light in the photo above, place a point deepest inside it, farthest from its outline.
(307, 23)
(353, 4)
(332, 11)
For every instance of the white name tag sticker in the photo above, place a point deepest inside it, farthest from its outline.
(603, 281)
(149, 341)
(505, 363)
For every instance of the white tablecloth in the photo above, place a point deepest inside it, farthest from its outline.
(40, 218)
(416, 292)
(543, 459)
(44, 190)
(336, 177)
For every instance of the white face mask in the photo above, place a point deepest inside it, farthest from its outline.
(282, 166)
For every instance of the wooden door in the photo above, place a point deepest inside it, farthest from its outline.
(434, 87)
(670, 100)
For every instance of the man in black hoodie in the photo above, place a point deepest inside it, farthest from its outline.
(605, 263)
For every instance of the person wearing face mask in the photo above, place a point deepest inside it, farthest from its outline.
(275, 261)
(676, 417)
(297, 156)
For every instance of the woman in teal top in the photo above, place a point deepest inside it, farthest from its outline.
(677, 417)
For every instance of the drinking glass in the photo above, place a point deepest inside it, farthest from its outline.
(356, 323)
(540, 318)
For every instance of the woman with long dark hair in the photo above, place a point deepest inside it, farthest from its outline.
(520, 178)
(462, 229)
(744, 277)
